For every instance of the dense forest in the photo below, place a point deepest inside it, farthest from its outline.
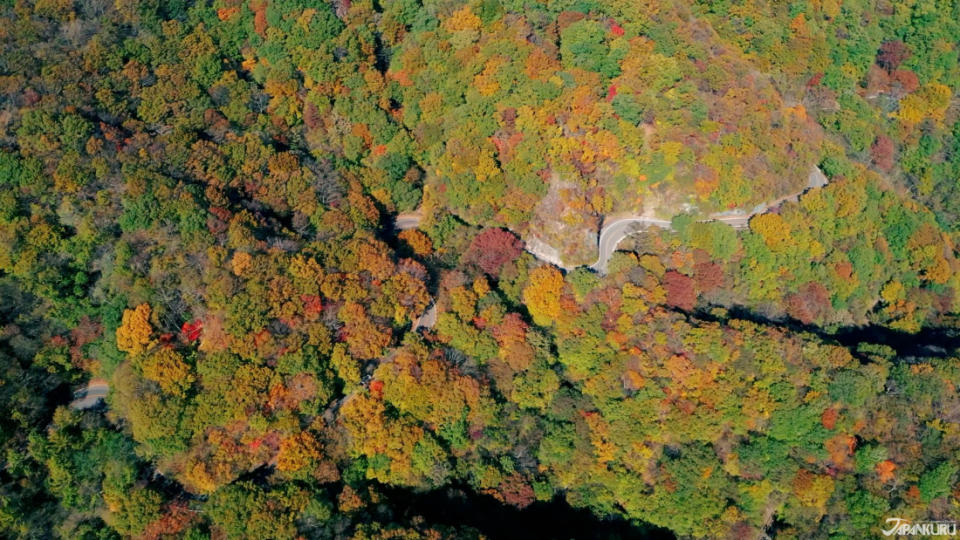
(199, 202)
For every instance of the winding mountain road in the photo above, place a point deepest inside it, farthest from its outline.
(613, 232)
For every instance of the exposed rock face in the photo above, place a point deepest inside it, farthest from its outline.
(564, 227)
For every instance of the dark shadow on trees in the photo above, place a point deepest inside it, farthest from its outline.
(552, 520)
(938, 342)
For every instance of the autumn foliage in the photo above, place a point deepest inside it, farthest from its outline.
(199, 214)
(680, 290)
(133, 335)
(491, 249)
(542, 295)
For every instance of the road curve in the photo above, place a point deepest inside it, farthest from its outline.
(615, 231)
(95, 391)
(428, 319)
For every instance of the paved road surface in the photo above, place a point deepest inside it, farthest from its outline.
(610, 236)
(407, 220)
(95, 391)
(428, 319)
(615, 231)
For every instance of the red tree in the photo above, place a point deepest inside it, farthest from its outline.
(709, 276)
(492, 248)
(891, 54)
(192, 330)
(172, 522)
(516, 491)
(810, 303)
(680, 290)
(907, 80)
(882, 153)
(312, 304)
(798, 309)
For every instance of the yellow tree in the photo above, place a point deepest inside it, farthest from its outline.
(418, 242)
(813, 490)
(167, 368)
(133, 335)
(542, 295)
(931, 101)
(297, 451)
(773, 229)
(374, 434)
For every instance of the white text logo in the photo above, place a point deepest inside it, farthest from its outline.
(903, 527)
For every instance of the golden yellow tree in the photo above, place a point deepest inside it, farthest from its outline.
(418, 242)
(931, 101)
(813, 490)
(241, 263)
(774, 230)
(133, 335)
(166, 367)
(297, 451)
(542, 295)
